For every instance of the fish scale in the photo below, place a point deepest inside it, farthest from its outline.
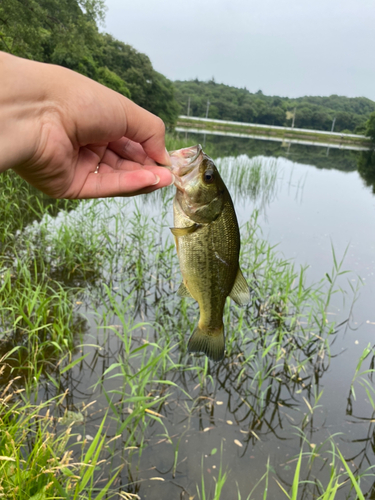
(214, 262)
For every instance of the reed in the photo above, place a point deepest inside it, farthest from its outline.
(90, 317)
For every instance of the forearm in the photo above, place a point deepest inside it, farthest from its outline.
(23, 102)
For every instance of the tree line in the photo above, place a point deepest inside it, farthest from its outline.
(224, 102)
(66, 32)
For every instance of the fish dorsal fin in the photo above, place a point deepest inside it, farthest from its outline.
(240, 292)
(183, 231)
(183, 291)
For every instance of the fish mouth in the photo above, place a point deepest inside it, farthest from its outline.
(184, 163)
(184, 160)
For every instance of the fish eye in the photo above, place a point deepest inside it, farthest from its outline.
(209, 176)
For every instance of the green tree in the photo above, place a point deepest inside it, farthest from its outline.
(112, 80)
(230, 103)
(370, 128)
(148, 88)
(65, 32)
(366, 162)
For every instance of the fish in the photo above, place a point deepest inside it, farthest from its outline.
(207, 240)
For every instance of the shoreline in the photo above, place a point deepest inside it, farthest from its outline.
(270, 132)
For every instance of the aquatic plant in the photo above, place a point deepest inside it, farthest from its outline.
(92, 326)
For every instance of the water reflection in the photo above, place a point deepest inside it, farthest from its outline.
(261, 388)
(319, 156)
(363, 444)
(307, 155)
(366, 168)
(168, 410)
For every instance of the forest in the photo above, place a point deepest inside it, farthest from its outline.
(68, 33)
(231, 103)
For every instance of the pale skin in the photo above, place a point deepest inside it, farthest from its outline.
(57, 126)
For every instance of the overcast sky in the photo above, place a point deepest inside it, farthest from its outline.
(282, 47)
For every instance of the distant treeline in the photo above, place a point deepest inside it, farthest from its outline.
(66, 32)
(234, 104)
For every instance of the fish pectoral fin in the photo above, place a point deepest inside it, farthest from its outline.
(240, 292)
(183, 231)
(183, 291)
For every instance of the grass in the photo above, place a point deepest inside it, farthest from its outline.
(252, 180)
(365, 378)
(340, 476)
(21, 204)
(36, 461)
(219, 483)
(96, 383)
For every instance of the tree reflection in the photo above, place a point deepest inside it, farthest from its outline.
(366, 168)
(357, 407)
(221, 146)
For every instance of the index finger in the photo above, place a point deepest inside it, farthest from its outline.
(148, 130)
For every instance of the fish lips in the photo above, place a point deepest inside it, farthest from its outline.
(185, 163)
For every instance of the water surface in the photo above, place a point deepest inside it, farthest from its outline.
(313, 206)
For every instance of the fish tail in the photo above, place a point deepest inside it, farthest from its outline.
(211, 342)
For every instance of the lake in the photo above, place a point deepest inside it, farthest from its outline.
(297, 377)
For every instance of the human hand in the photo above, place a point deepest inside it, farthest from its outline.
(57, 127)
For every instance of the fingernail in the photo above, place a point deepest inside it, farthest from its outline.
(168, 158)
(172, 181)
(157, 180)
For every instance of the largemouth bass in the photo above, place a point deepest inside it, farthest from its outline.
(207, 240)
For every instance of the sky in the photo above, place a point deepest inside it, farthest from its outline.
(287, 48)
